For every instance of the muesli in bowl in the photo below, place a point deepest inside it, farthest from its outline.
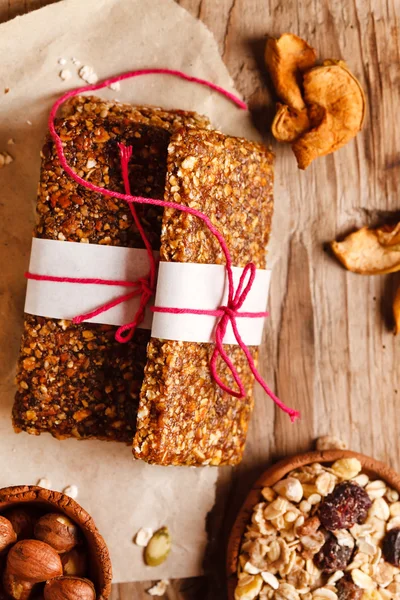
(324, 531)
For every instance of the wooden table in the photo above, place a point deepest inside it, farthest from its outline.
(329, 348)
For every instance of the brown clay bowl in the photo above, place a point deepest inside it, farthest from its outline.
(100, 571)
(372, 467)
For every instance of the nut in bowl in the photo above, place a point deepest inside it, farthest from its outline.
(50, 548)
(319, 526)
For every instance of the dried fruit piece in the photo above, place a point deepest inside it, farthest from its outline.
(333, 556)
(367, 252)
(346, 505)
(396, 311)
(289, 124)
(347, 589)
(341, 102)
(391, 547)
(158, 548)
(286, 58)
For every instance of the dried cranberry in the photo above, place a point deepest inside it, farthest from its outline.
(346, 505)
(391, 547)
(333, 557)
(347, 589)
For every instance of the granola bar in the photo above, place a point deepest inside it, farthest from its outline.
(184, 418)
(76, 380)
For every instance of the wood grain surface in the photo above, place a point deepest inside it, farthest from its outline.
(328, 347)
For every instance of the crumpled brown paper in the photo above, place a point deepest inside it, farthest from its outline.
(111, 36)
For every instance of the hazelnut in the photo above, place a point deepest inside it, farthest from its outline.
(58, 531)
(16, 588)
(7, 534)
(69, 588)
(75, 562)
(33, 561)
(23, 522)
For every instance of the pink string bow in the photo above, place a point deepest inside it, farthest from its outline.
(226, 314)
(145, 286)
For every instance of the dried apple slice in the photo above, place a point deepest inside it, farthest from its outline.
(286, 58)
(363, 252)
(289, 124)
(396, 311)
(333, 88)
(389, 235)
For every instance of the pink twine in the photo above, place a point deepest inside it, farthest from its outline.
(227, 313)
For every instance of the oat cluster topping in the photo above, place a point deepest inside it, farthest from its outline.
(323, 533)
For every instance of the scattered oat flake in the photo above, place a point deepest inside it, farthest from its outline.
(44, 483)
(65, 74)
(91, 163)
(143, 536)
(330, 442)
(88, 74)
(62, 61)
(76, 62)
(29, 122)
(11, 142)
(71, 491)
(116, 86)
(159, 589)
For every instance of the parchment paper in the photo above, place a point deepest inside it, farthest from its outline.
(111, 36)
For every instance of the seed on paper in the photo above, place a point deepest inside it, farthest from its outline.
(116, 86)
(44, 483)
(143, 536)
(71, 491)
(88, 74)
(62, 61)
(65, 74)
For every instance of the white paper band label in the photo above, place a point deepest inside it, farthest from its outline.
(179, 285)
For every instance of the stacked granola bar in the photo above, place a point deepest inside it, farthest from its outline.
(76, 380)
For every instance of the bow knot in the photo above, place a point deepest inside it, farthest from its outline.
(145, 291)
